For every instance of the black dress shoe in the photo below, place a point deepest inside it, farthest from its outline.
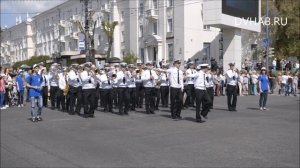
(52, 108)
(204, 117)
(179, 117)
(111, 111)
(92, 116)
(200, 121)
(173, 117)
(233, 109)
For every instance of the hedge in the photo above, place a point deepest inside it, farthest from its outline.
(30, 62)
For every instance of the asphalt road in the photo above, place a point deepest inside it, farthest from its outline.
(246, 138)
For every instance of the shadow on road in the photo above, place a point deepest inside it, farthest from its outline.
(251, 108)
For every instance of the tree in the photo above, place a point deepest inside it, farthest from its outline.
(33, 60)
(287, 41)
(130, 58)
(109, 29)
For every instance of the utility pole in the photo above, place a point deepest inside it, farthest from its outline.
(268, 41)
(86, 28)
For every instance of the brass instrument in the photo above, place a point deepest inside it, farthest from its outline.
(66, 90)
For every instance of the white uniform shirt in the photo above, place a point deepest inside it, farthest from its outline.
(62, 81)
(53, 81)
(131, 82)
(188, 72)
(175, 82)
(105, 81)
(231, 77)
(88, 81)
(122, 79)
(164, 79)
(146, 78)
(210, 80)
(74, 79)
(199, 80)
(45, 81)
(138, 78)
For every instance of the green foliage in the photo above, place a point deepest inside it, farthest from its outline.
(109, 29)
(130, 58)
(288, 37)
(33, 60)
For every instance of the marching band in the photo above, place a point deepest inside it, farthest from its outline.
(125, 87)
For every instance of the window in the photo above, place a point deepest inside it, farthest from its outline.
(155, 4)
(170, 25)
(169, 3)
(206, 53)
(142, 54)
(70, 45)
(205, 27)
(123, 37)
(141, 8)
(75, 44)
(122, 16)
(141, 32)
(171, 52)
(155, 28)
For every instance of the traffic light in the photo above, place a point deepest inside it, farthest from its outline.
(271, 52)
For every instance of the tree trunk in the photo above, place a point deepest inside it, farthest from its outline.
(109, 48)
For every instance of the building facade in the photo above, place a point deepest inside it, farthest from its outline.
(151, 29)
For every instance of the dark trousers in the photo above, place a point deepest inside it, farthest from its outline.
(115, 97)
(6, 97)
(139, 94)
(123, 100)
(54, 96)
(150, 99)
(164, 92)
(176, 101)
(231, 97)
(201, 96)
(20, 97)
(102, 97)
(132, 95)
(157, 97)
(210, 91)
(75, 93)
(27, 95)
(63, 100)
(107, 99)
(89, 101)
(45, 95)
(263, 99)
(97, 97)
(190, 92)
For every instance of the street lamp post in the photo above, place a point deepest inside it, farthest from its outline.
(268, 41)
(86, 27)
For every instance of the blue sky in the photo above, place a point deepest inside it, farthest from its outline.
(10, 9)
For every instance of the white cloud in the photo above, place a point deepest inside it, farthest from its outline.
(28, 6)
(10, 9)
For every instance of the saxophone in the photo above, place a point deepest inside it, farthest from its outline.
(67, 88)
